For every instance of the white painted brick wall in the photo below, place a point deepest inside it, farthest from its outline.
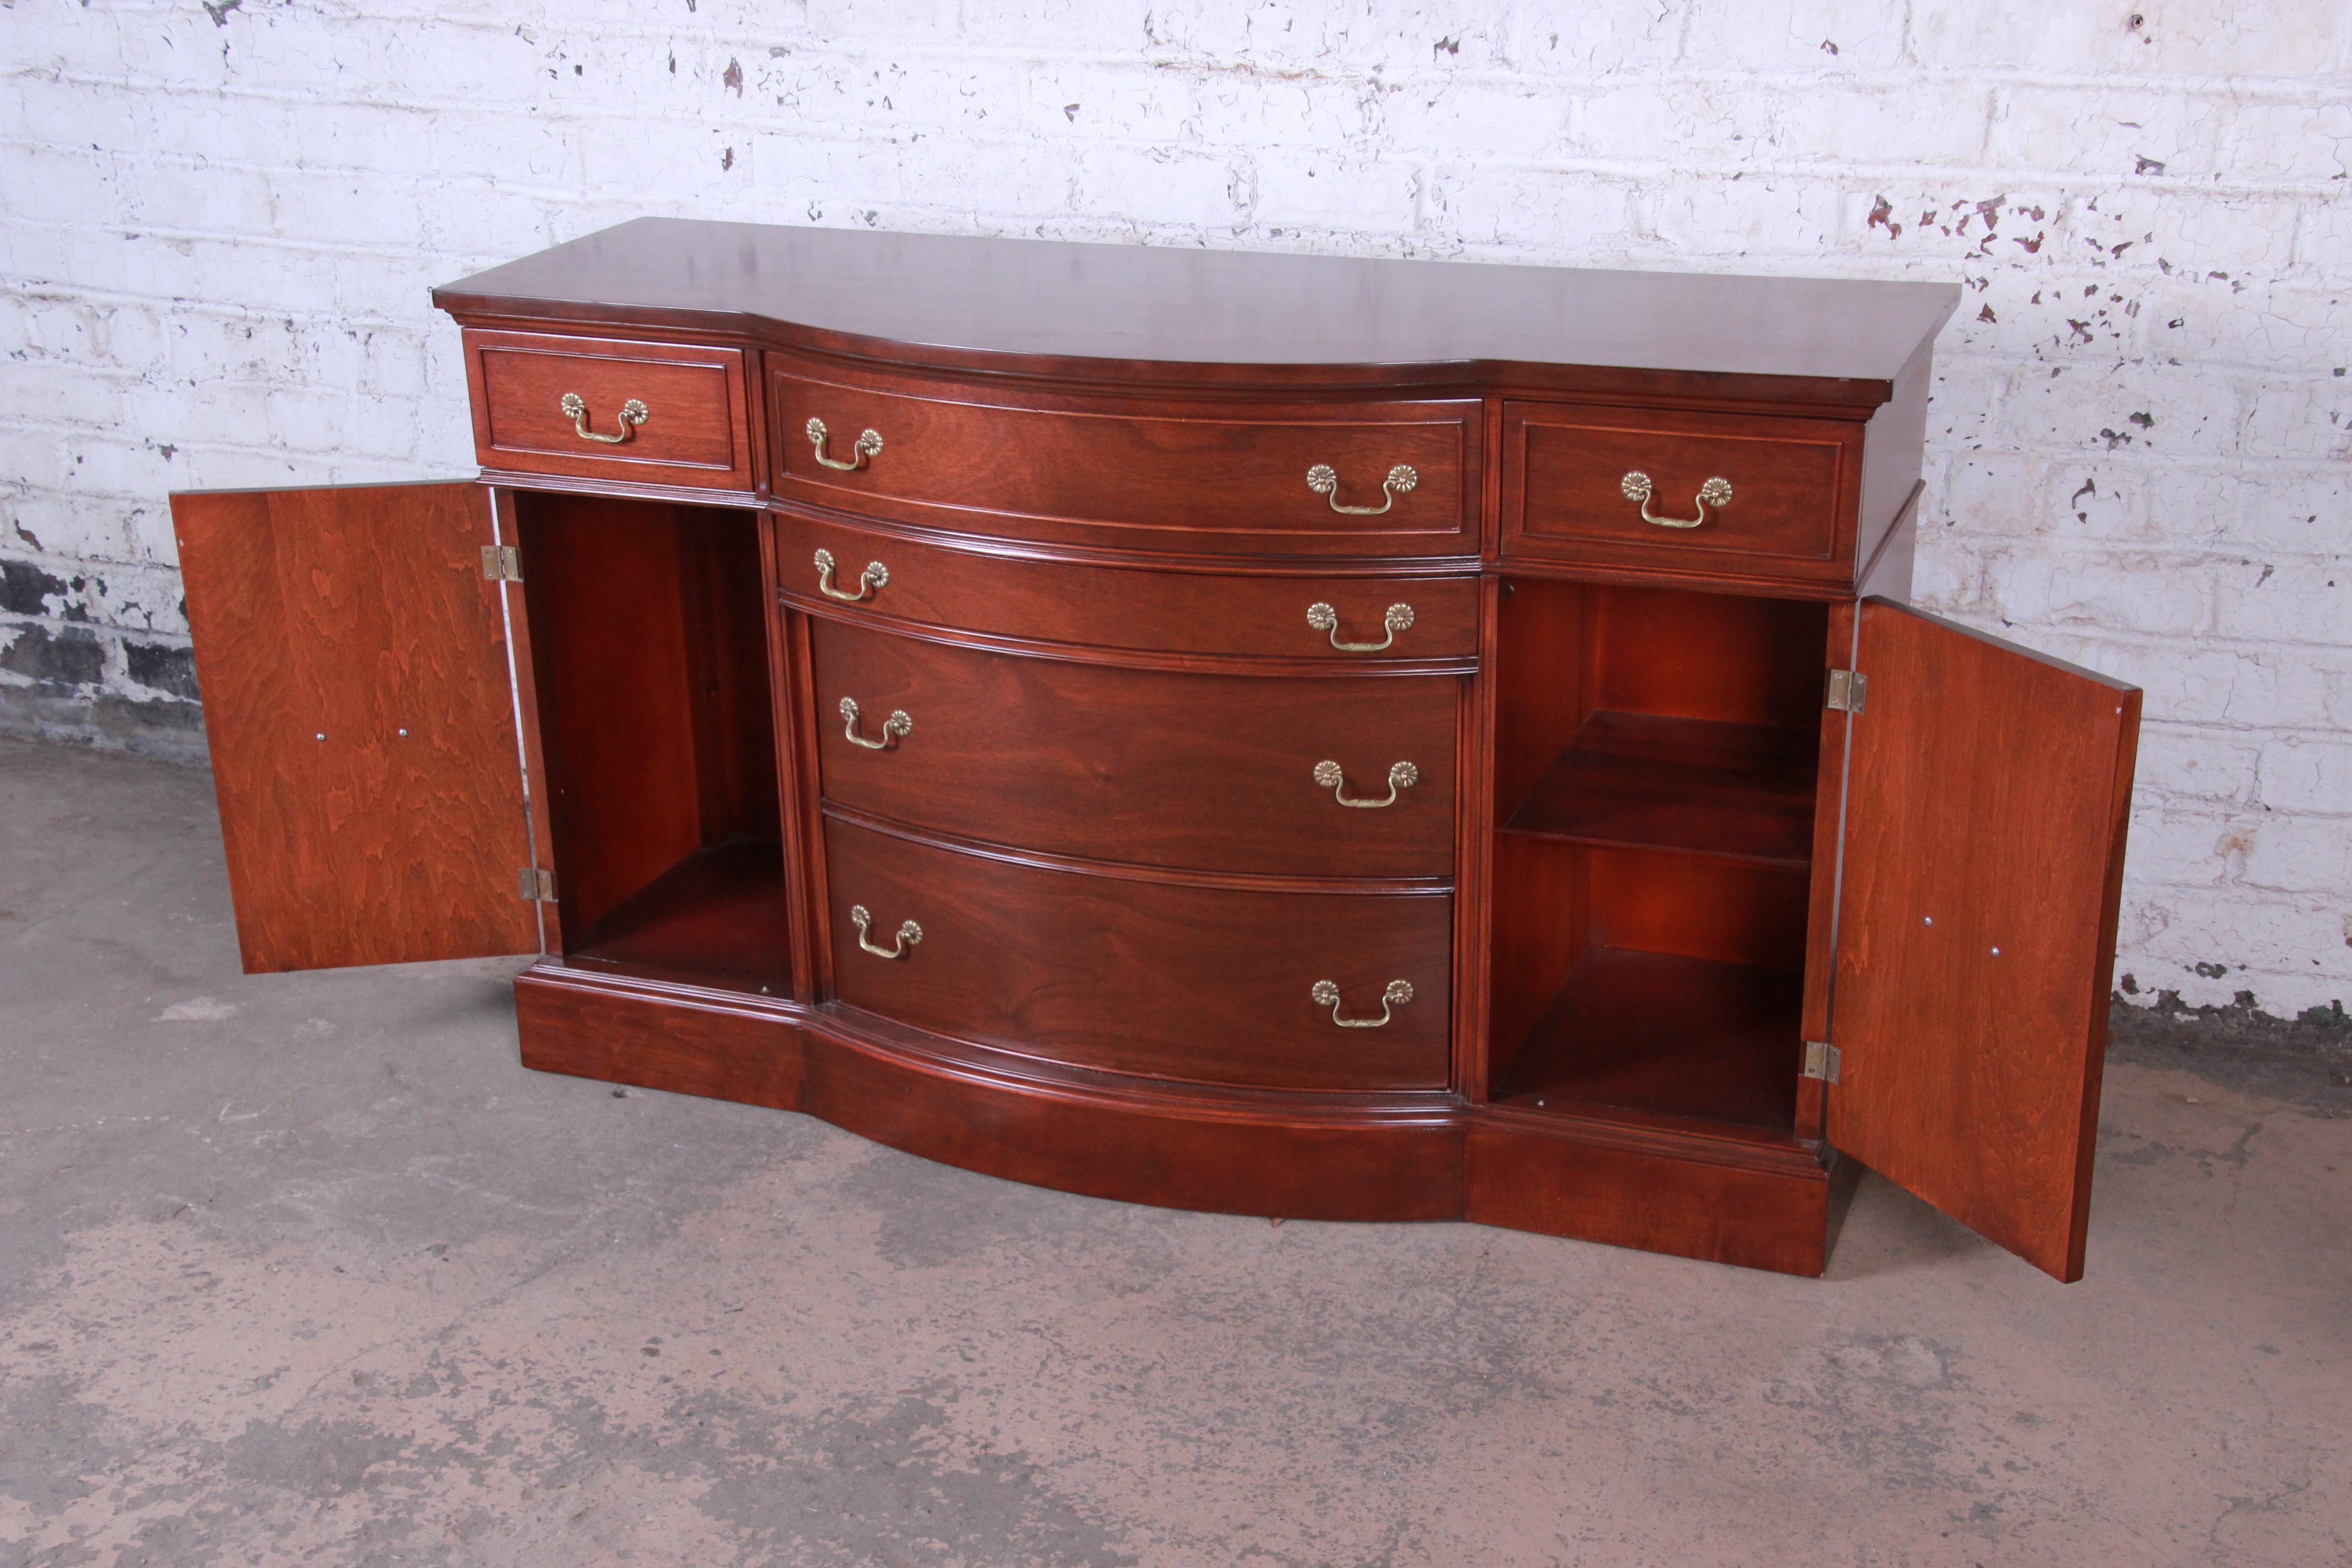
(221, 222)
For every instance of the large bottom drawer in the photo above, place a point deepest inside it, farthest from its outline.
(1165, 978)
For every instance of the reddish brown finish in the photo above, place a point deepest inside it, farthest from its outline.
(1147, 314)
(1764, 1212)
(1167, 979)
(656, 1037)
(1193, 476)
(362, 734)
(720, 917)
(1670, 1035)
(1699, 786)
(1989, 798)
(1290, 1156)
(697, 429)
(1795, 489)
(649, 646)
(975, 585)
(1821, 913)
(1099, 570)
(1215, 773)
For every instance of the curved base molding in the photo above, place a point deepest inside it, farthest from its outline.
(1413, 1156)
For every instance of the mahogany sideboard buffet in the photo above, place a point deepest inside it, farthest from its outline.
(1281, 735)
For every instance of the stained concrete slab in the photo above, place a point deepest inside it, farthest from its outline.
(306, 1268)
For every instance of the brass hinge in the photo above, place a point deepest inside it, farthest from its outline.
(501, 563)
(1821, 1060)
(1847, 689)
(535, 885)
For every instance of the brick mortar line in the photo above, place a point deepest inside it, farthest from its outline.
(929, 47)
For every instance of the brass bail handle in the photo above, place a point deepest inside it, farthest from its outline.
(634, 412)
(1333, 777)
(868, 444)
(1322, 617)
(1324, 480)
(876, 576)
(894, 727)
(1716, 492)
(1325, 994)
(909, 934)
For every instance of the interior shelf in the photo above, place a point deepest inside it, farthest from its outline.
(715, 918)
(1642, 781)
(1653, 1033)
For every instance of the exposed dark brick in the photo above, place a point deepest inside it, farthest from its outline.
(172, 669)
(69, 657)
(23, 587)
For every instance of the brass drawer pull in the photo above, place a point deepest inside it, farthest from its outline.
(909, 934)
(876, 576)
(1715, 493)
(868, 444)
(634, 412)
(1327, 995)
(1324, 480)
(893, 727)
(1331, 776)
(1322, 617)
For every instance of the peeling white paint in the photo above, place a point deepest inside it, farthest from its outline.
(223, 223)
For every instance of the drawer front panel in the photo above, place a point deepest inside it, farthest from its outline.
(1152, 611)
(1202, 477)
(534, 395)
(1213, 772)
(1765, 494)
(1206, 985)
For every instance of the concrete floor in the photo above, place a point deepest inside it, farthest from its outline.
(306, 1268)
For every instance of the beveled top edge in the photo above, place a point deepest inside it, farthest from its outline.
(1059, 307)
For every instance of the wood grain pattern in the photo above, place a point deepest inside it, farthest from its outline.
(649, 648)
(1729, 1196)
(1695, 786)
(1210, 772)
(656, 1037)
(1245, 615)
(1670, 1035)
(1986, 812)
(1206, 985)
(1171, 313)
(697, 432)
(1530, 1177)
(1223, 477)
(1795, 488)
(362, 731)
(1820, 911)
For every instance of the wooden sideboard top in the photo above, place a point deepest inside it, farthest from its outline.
(1048, 307)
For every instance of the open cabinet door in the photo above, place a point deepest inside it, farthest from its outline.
(1986, 804)
(352, 659)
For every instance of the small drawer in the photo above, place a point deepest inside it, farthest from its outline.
(1760, 495)
(1340, 620)
(608, 408)
(1214, 773)
(1199, 477)
(1206, 985)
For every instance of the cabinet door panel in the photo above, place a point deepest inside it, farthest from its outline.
(353, 664)
(1985, 814)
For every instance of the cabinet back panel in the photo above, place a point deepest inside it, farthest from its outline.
(1692, 907)
(1706, 655)
(648, 639)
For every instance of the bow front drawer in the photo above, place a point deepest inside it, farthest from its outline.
(1348, 776)
(609, 408)
(1195, 476)
(1749, 494)
(898, 578)
(1169, 979)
